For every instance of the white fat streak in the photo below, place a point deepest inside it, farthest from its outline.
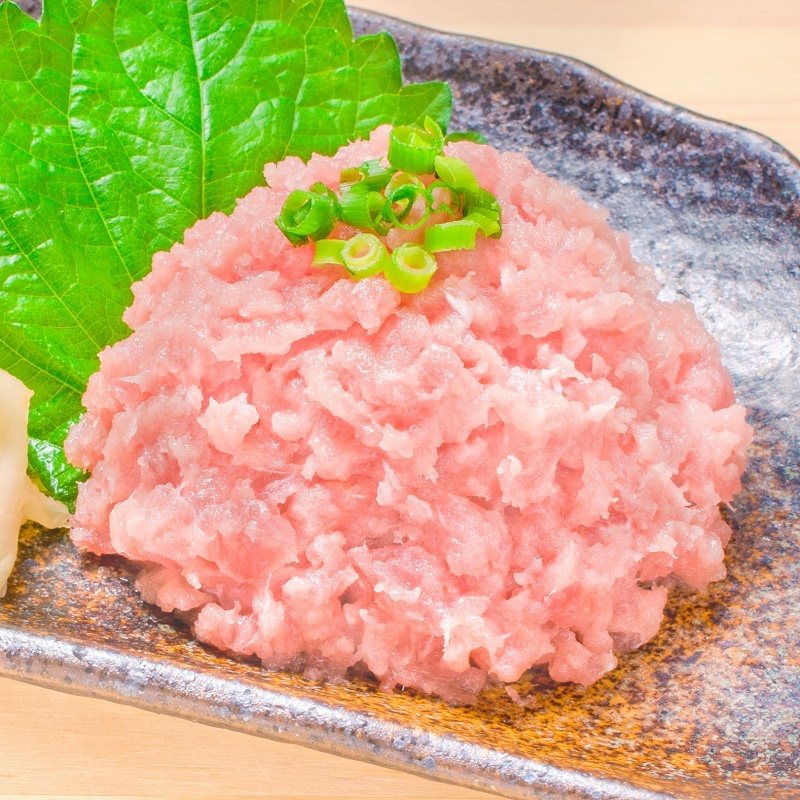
(597, 412)
(19, 498)
(193, 580)
(419, 510)
(396, 442)
(398, 593)
(389, 489)
(561, 368)
(460, 306)
(448, 623)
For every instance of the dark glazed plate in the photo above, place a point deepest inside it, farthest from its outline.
(710, 708)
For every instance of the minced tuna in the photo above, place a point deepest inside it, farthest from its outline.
(505, 470)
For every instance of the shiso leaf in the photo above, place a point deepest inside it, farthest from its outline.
(122, 122)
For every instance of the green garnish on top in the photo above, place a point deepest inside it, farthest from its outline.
(376, 198)
(125, 121)
(413, 149)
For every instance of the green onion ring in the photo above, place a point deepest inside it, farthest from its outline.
(371, 176)
(433, 128)
(402, 179)
(410, 268)
(328, 251)
(349, 176)
(456, 173)
(453, 207)
(414, 149)
(321, 189)
(308, 215)
(364, 255)
(457, 235)
(364, 211)
(407, 194)
(489, 226)
(376, 175)
(481, 199)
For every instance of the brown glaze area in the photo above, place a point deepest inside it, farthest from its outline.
(708, 709)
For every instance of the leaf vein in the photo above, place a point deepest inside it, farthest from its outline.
(202, 106)
(89, 184)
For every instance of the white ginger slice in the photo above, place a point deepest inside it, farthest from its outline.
(20, 499)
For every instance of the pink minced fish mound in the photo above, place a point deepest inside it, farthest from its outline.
(505, 470)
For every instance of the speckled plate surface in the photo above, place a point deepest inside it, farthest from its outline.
(710, 708)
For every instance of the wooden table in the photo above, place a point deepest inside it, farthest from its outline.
(734, 59)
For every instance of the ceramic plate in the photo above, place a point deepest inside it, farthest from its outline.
(709, 708)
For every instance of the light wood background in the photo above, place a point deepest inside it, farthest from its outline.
(737, 60)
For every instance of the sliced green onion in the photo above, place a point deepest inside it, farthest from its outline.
(350, 175)
(364, 211)
(457, 235)
(456, 173)
(453, 207)
(328, 251)
(376, 175)
(433, 128)
(364, 255)
(481, 199)
(489, 227)
(308, 215)
(376, 198)
(406, 196)
(401, 179)
(371, 176)
(414, 149)
(321, 189)
(465, 136)
(410, 268)
(483, 203)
